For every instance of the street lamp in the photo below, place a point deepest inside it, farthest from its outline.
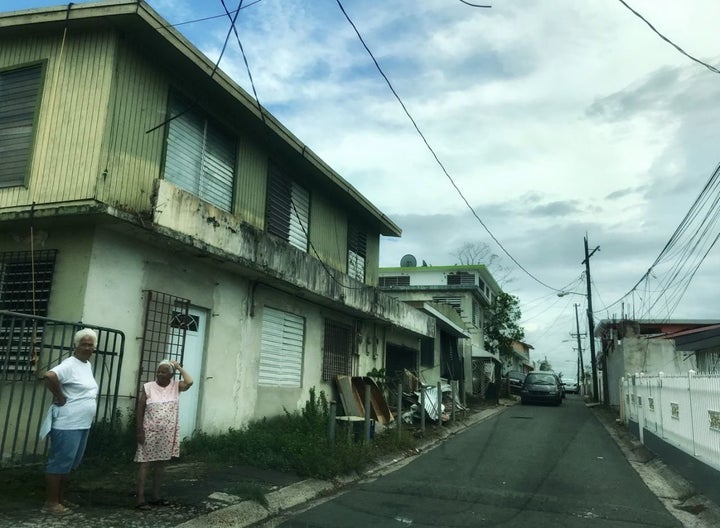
(564, 293)
(591, 331)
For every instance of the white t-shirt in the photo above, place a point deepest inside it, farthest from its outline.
(80, 389)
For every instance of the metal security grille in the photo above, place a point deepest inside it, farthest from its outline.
(288, 209)
(19, 91)
(462, 278)
(455, 302)
(23, 402)
(25, 282)
(399, 280)
(338, 348)
(166, 323)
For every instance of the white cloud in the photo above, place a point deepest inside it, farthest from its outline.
(556, 119)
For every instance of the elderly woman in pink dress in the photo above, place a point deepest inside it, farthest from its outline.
(158, 432)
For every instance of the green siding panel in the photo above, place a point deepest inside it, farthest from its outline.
(132, 156)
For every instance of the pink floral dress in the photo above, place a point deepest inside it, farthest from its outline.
(162, 431)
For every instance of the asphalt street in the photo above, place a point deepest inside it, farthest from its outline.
(536, 466)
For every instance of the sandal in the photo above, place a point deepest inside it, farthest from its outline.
(56, 509)
(70, 504)
(160, 502)
(144, 506)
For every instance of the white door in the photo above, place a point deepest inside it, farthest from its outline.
(192, 363)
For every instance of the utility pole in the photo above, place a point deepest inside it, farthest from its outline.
(591, 324)
(581, 367)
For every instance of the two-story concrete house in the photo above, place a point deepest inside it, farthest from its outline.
(143, 190)
(468, 290)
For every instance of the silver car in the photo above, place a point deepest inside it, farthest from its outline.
(570, 385)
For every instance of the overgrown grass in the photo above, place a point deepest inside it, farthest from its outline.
(295, 442)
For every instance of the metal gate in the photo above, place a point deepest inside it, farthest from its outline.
(29, 347)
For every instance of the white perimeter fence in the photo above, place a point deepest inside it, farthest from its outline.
(682, 410)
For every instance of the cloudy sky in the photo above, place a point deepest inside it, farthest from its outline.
(555, 119)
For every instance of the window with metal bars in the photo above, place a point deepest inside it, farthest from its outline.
(476, 313)
(396, 280)
(462, 278)
(338, 348)
(287, 212)
(357, 252)
(19, 100)
(200, 155)
(166, 323)
(25, 284)
(455, 302)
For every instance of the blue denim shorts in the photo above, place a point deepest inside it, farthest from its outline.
(67, 448)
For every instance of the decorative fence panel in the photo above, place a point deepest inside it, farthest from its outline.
(682, 410)
(29, 347)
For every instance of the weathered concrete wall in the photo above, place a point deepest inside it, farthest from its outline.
(635, 354)
(248, 247)
(100, 277)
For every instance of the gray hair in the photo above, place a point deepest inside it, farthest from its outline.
(83, 333)
(167, 362)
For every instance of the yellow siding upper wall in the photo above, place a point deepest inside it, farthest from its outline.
(132, 157)
(73, 99)
(251, 184)
(372, 259)
(100, 96)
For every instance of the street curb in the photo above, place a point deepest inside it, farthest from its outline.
(249, 512)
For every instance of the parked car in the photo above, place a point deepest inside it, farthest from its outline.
(541, 387)
(514, 380)
(570, 385)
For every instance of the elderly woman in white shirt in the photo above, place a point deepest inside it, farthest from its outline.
(74, 391)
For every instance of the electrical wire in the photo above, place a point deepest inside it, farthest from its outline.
(244, 56)
(213, 17)
(433, 153)
(233, 28)
(708, 66)
(212, 73)
(687, 229)
(475, 5)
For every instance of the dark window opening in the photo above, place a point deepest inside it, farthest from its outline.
(427, 353)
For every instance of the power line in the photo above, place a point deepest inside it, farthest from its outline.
(475, 5)
(213, 17)
(233, 28)
(432, 151)
(688, 228)
(708, 66)
(212, 73)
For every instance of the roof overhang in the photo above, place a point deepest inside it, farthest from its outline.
(147, 30)
(445, 323)
(697, 339)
